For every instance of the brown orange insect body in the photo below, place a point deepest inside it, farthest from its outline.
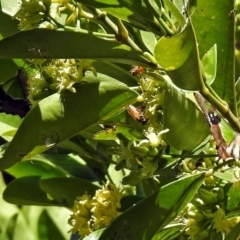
(137, 70)
(137, 114)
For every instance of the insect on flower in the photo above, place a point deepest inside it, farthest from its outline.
(137, 114)
(137, 70)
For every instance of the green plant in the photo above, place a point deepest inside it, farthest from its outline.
(111, 86)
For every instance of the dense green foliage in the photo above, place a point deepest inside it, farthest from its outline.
(110, 87)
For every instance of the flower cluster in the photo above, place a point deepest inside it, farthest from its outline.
(32, 13)
(90, 214)
(58, 75)
(206, 215)
(46, 13)
(139, 156)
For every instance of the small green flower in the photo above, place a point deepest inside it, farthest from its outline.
(125, 154)
(221, 224)
(58, 75)
(32, 13)
(154, 139)
(81, 220)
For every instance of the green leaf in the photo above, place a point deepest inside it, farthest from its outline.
(66, 190)
(61, 116)
(180, 113)
(232, 196)
(148, 39)
(30, 193)
(117, 71)
(35, 168)
(178, 56)
(169, 233)
(226, 176)
(71, 164)
(94, 235)
(234, 233)
(8, 212)
(10, 25)
(175, 12)
(214, 24)
(146, 218)
(59, 217)
(8, 123)
(209, 62)
(41, 43)
(47, 228)
(8, 69)
(35, 191)
(21, 229)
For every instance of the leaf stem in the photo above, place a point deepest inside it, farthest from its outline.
(210, 94)
(97, 34)
(123, 36)
(173, 28)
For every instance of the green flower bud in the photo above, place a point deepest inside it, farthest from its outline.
(220, 194)
(207, 196)
(141, 151)
(196, 215)
(136, 133)
(153, 151)
(204, 234)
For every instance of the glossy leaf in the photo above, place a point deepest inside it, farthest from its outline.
(180, 113)
(169, 233)
(226, 176)
(175, 12)
(71, 164)
(178, 56)
(58, 216)
(214, 24)
(21, 229)
(148, 39)
(146, 218)
(8, 212)
(94, 235)
(59, 118)
(115, 70)
(233, 197)
(10, 25)
(234, 233)
(8, 123)
(66, 190)
(209, 62)
(30, 194)
(8, 69)
(35, 168)
(41, 43)
(36, 191)
(47, 228)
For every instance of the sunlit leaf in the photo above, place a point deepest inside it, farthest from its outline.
(180, 113)
(154, 212)
(178, 56)
(59, 118)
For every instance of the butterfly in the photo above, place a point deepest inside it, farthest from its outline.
(220, 130)
(15, 106)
